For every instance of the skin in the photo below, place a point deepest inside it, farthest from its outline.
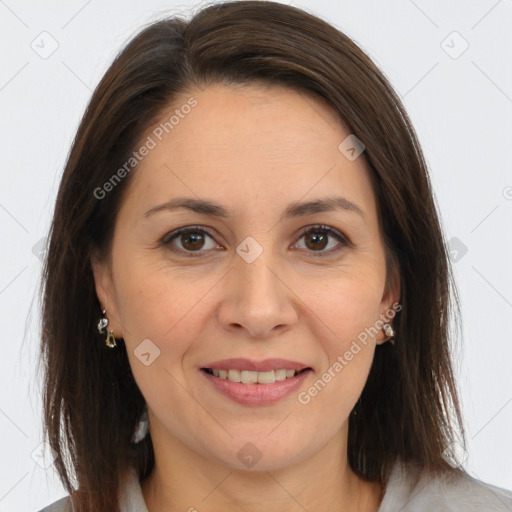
(254, 149)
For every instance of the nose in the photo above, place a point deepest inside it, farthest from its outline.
(256, 300)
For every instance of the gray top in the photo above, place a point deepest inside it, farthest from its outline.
(403, 493)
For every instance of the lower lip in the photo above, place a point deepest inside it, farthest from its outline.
(257, 394)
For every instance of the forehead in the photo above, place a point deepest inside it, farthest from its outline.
(247, 140)
(251, 115)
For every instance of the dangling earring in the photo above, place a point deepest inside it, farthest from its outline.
(390, 333)
(102, 324)
(142, 428)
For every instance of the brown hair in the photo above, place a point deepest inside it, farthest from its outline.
(409, 406)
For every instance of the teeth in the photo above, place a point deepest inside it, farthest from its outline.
(252, 377)
(266, 377)
(248, 377)
(280, 374)
(234, 375)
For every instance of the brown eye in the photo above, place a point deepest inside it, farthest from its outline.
(317, 238)
(192, 241)
(316, 241)
(189, 240)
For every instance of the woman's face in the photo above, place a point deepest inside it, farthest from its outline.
(252, 278)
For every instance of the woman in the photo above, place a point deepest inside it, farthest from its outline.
(247, 293)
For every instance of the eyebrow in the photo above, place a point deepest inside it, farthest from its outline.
(295, 209)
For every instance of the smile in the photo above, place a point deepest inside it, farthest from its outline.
(254, 377)
(255, 388)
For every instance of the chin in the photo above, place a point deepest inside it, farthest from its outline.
(261, 454)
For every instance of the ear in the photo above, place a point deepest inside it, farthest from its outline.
(390, 301)
(105, 292)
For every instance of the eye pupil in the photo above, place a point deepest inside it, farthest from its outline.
(315, 238)
(196, 240)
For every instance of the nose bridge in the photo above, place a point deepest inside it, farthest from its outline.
(256, 299)
(257, 287)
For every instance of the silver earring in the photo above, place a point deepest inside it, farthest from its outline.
(389, 332)
(102, 324)
(142, 428)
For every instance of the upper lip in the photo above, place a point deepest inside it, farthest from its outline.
(257, 366)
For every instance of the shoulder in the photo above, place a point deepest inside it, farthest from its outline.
(63, 505)
(130, 497)
(411, 490)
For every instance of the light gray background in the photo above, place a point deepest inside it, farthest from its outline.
(461, 108)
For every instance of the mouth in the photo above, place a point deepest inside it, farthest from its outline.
(254, 377)
(255, 383)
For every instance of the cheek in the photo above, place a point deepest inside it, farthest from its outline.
(349, 350)
(349, 306)
(349, 310)
(163, 322)
(161, 306)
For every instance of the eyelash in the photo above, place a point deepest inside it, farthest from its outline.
(167, 240)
